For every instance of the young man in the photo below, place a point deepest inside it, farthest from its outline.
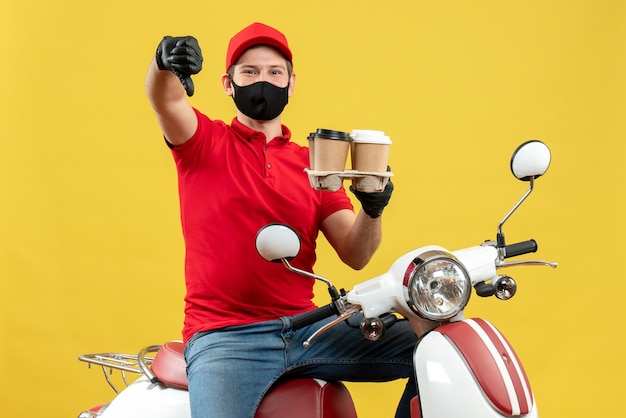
(233, 180)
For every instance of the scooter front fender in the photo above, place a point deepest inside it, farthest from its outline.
(468, 369)
(145, 399)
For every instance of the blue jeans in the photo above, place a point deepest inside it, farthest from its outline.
(230, 370)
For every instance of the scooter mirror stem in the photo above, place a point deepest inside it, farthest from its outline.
(332, 290)
(508, 215)
(335, 295)
(306, 273)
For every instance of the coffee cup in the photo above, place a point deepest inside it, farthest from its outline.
(370, 151)
(328, 150)
(311, 140)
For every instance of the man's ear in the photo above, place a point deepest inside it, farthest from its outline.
(292, 83)
(227, 85)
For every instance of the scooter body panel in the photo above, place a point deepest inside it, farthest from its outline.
(145, 399)
(468, 369)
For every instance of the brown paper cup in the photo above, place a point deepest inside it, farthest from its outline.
(311, 140)
(328, 150)
(370, 151)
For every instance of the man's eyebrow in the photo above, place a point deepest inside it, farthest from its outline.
(261, 65)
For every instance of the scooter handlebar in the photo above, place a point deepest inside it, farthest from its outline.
(524, 247)
(311, 317)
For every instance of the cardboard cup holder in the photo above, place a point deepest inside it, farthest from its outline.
(331, 181)
(328, 154)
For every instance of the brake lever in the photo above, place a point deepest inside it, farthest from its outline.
(504, 264)
(346, 314)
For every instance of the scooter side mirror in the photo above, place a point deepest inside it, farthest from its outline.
(530, 160)
(275, 242)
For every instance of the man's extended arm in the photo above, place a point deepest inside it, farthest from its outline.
(167, 81)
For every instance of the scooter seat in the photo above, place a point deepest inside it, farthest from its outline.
(307, 398)
(312, 398)
(169, 365)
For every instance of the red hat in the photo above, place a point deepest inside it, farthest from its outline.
(256, 34)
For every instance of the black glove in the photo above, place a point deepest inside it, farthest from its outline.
(374, 203)
(182, 56)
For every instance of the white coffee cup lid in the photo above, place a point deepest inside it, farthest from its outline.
(369, 136)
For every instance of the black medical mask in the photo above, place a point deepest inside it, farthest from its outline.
(261, 100)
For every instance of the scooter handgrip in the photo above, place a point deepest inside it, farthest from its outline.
(311, 317)
(520, 248)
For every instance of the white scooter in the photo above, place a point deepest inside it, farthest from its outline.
(463, 367)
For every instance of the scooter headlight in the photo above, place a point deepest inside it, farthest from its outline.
(436, 285)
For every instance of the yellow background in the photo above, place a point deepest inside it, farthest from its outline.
(90, 246)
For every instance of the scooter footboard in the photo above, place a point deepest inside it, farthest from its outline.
(468, 369)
